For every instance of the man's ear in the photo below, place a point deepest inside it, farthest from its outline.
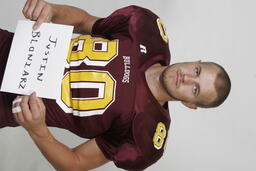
(189, 105)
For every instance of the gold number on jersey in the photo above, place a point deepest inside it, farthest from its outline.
(162, 30)
(159, 136)
(88, 79)
(93, 51)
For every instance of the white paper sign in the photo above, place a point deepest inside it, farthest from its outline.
(37, 59)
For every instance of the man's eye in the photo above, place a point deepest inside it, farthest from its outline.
(197, 71)
(195, 90)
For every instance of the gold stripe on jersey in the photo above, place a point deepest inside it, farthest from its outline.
(162, 30)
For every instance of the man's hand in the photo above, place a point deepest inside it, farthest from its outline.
(29, 112)
(39, 11)
(42, 11)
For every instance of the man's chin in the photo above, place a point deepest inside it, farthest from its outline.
(172, 95)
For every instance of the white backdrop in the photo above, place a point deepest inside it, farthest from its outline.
(221, 139)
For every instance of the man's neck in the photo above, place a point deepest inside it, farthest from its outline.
(152, 75)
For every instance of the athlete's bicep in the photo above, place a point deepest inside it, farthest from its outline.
(90, 156)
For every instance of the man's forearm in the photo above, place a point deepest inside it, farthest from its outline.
(31, 116)
(60, 156)
(63, 14)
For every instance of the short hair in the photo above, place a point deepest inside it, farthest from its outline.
(222, 86)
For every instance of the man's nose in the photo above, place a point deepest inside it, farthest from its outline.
(189, 79)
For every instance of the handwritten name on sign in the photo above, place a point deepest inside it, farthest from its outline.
(50, 46)
(37, 59)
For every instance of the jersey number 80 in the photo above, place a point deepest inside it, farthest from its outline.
(92, 52)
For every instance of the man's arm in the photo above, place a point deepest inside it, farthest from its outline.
(42, 11)
(32, 117)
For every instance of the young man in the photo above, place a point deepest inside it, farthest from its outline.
(115, 90)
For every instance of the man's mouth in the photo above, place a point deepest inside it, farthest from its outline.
(177, 78)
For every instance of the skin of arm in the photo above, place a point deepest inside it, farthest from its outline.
(32, 117)
(42, 11)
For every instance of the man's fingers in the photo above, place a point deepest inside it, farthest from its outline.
(42, 18)
(16, 109)
(25, 108)
(39, 10)
(34, 106)
(17, 100)
(19, 118)
(24, 102)
(26, 7)
(29, 112)
(31, 8)
(41, 103)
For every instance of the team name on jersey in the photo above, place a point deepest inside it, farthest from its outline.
(127, 69)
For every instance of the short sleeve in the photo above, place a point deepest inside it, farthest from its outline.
(117, 23)
(124, 155)
(139, 25)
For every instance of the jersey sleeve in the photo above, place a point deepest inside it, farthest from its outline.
(115, 24)
(121, 22)
(142, 27)
(124, 155)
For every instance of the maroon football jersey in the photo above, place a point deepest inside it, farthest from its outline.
(104, 91)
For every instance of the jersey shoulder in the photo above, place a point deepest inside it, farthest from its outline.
(125, 21)
(150, 125)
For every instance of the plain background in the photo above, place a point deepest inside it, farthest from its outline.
(221, 139)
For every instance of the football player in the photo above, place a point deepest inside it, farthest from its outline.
(115, 90)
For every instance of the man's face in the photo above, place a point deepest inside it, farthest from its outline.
(191, 82)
